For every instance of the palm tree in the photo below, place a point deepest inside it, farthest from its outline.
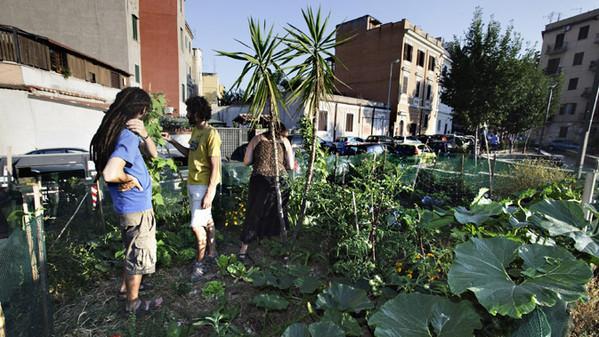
(313, 78)
(262, 63)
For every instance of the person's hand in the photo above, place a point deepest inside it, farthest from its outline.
(137, 126)
(132, 183)
(166, 136)
(208, 198)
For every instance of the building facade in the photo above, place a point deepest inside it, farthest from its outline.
(211, 88)
(571, 49)
(168, 57)
(397, 63)
(51, 95)
(105, 30)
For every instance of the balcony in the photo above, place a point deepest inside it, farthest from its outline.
(553, 49)
(414, 101)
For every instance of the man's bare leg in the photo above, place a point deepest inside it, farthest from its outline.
(133, 282)
(200, 234)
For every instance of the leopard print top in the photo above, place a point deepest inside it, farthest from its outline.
(264, 158)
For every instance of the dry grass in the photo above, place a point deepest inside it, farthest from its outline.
(585, 316)
(531, 174)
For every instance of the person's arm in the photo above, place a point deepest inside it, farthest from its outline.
(214, 155)
(290, 155)
(184, 150)
(114, 172)
(138, 127)
(248, 158)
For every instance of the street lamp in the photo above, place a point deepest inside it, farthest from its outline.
(390, 75)
(546, 114)
(389, 91)
(585, 142)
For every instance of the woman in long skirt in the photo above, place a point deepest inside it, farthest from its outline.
(262, 218)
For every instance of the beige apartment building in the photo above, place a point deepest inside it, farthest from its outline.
(397, 63)
(571, 49)
(211, 88)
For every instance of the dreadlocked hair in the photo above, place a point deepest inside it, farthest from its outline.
(128, 104)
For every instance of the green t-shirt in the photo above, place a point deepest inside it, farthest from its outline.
(203, 144)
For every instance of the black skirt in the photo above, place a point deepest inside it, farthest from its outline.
(261, 219)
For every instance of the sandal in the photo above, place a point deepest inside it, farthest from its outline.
(145, 307)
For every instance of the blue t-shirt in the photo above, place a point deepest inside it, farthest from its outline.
(134, 200)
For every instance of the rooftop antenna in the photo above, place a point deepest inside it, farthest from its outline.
(552, 15)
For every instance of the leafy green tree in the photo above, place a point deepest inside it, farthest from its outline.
(262, 91)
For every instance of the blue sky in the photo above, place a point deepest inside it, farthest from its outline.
(216, 24)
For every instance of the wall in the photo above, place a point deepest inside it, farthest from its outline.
(95, 28)
(30, 123)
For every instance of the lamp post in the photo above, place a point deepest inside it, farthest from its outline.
(585, 142)
(389, 86)
(546, 114)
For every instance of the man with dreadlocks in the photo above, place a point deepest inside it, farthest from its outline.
(116, 149)
(204, 175)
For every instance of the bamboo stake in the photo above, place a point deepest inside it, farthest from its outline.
(41, 257)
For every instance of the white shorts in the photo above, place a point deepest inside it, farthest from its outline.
(200, 217)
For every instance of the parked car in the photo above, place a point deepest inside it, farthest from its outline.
(416, 152)
(451, 144)
(563, 144)
(367, 148)
(297, 141)
(57, 150)
(405, 139)
(341, 143)
(380, 139)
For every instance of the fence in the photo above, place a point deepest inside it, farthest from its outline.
(24, 298)
(232, 138)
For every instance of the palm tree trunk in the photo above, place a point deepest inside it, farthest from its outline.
(309, 172)
(275, 151)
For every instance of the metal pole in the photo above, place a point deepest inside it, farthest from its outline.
(583, 153)
(389, 94)
(546, 115)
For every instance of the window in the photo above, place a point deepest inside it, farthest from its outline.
(439, 125)
(407, 52)
(420, 58)
(578, 59)
(429, 89)
(91, 77)
(404, 85)
(573, 83)
(432, 63)
(181, 38)
(58, 60)
(417, 93)
(136, 73)
(322, 120)
(425, 121)
(134, 20)
(583, 33)
(349, 123)
(563, 132)
(553, 66)
(559, 41)
(568, 108)
(115, 80)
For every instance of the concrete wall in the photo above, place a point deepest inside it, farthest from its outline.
(29, 123)
(95, 28)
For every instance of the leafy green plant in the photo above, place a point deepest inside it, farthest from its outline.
(324, 328)
(547, 274)
(270, 302)
(343, 298)
(229, 265)
(214, 290)
(420, 315)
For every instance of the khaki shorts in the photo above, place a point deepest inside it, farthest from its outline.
(139, 239)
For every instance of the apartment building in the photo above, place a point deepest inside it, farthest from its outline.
(571, 49)
(105, 30)
(51, 95)
(397, 63)
(170, 64)
(211, 88)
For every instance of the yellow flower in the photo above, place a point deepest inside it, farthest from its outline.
(398, 266)
(430, 254)
(418, 256)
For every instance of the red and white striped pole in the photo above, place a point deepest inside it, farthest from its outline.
(94, 193)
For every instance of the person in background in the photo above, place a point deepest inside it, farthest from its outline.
(204, 164)
(262, 219)
(116, 149)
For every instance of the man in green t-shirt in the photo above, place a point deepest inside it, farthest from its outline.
(203, 158)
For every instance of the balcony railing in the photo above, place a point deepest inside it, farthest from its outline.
(553, 49)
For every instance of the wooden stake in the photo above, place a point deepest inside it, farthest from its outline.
(41, 257)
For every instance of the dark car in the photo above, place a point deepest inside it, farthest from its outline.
(367, 148)
(342, 143)
(297, 141)
(563, 144)
(380, 139)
